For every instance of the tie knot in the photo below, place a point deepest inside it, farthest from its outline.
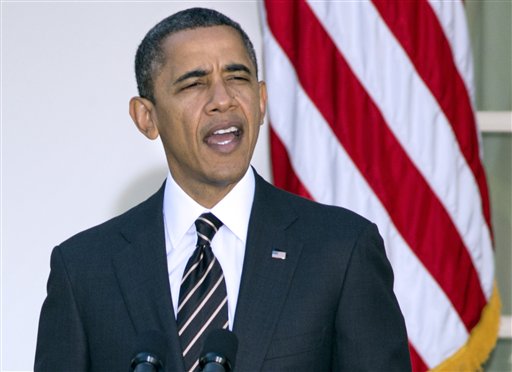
(207, 225)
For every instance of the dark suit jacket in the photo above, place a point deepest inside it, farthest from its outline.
(328, 306)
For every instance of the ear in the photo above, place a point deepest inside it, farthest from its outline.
(141, 111)
(263, 100)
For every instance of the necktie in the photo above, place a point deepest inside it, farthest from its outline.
(202, 305)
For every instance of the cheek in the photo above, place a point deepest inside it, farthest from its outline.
(170, 131)
(189, 113)
(187, 136)
(251, 105)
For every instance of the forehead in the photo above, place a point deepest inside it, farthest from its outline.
(202, 47)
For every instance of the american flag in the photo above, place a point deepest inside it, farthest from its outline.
(371, 108)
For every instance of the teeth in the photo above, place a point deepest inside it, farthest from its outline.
(224, 131)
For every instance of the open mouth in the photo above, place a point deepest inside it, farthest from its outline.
(224, 139)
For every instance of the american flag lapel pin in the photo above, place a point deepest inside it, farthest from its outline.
(279, 255)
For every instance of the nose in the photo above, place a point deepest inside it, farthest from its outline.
(222, 97)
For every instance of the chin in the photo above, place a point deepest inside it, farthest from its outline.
(228, 175)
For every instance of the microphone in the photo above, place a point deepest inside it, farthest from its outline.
(219, 351)
(151, 347)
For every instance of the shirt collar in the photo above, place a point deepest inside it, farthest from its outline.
(234, 210)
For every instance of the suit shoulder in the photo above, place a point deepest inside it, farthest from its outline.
(310, 209)
(111, 231)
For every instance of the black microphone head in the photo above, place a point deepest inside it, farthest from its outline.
(150, 351)
(220, 346)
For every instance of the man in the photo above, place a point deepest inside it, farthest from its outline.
(304, 287)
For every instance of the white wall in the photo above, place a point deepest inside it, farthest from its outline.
(71, 157)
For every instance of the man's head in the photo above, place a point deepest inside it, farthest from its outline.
(206, 104)
(150, 56)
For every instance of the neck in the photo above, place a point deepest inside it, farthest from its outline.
(206, 192)
(208, 197)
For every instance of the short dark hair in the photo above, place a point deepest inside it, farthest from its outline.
(150, 55)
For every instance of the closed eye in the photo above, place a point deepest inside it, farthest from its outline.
(191, 85)
(239, 77)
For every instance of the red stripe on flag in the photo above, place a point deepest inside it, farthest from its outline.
(362, 131)
(418, 30)
(417, 363)
(283, 173)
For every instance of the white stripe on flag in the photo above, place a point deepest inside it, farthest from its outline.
(452, 17)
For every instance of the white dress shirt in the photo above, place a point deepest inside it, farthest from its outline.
(180, 212)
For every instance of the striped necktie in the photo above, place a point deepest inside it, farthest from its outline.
(202, 305)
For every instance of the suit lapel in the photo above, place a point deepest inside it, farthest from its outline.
(265, 280)
(141, 270)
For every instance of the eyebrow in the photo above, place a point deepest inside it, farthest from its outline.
(191, 74)
(234, 67)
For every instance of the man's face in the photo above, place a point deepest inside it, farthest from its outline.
(208, 108)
